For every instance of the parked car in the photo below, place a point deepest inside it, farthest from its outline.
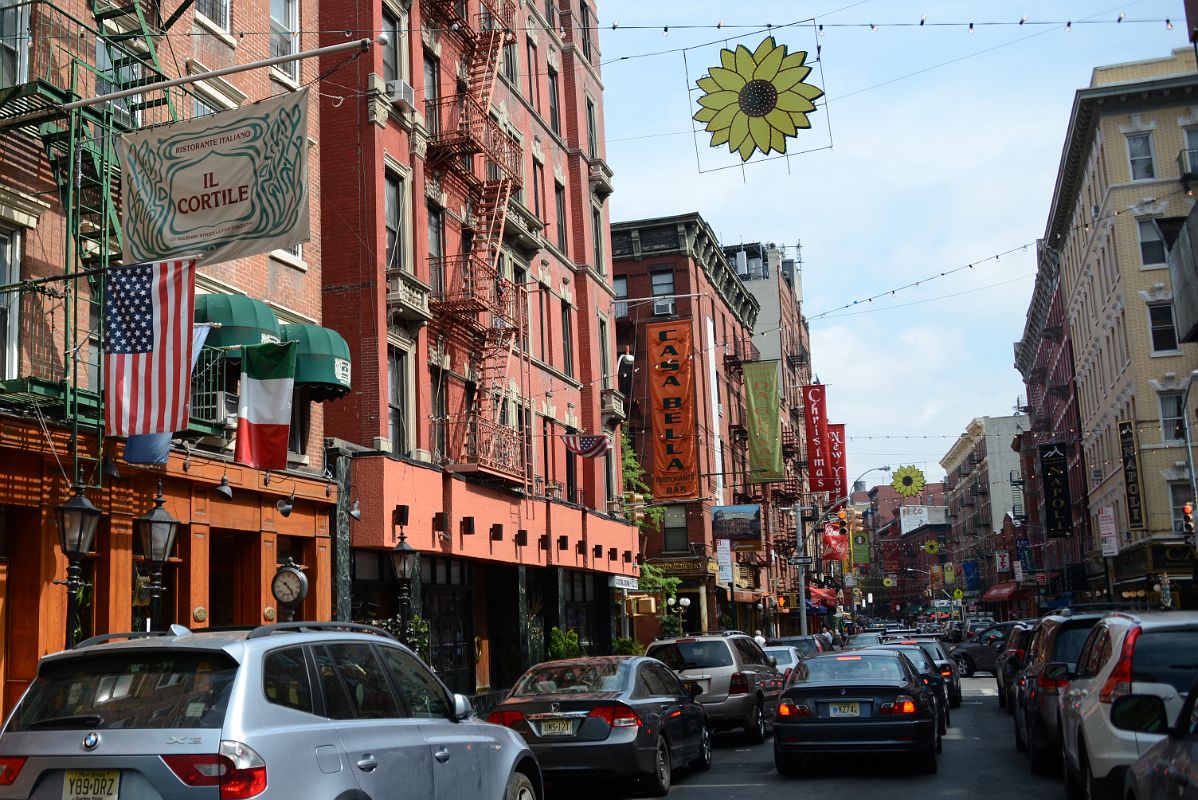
(229, 713)
(931, 676)
(807, 645)
(1010, 661)
(735, 682)
(608, 716)
(1152, 653)
(1059, 638)
(785, 658)
(938, 651)
(1169, 769)
(867, 701)
(867, 639)
(978, 654)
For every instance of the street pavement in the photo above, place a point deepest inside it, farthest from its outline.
(979, 760)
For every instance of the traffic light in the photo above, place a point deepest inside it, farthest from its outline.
(843, 522)
(1187, 518)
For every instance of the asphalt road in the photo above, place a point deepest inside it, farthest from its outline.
(979, 761)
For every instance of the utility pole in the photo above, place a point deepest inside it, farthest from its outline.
(801, 551)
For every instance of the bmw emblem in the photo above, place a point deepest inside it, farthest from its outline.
(91, 741)
(843, 692)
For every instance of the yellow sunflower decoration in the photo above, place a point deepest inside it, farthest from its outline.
(908, 481)
(757, 99)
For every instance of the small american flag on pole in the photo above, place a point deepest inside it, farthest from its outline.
(587, 446)
(148, 312)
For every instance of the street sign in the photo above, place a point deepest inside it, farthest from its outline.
(800, 561)
(958, 594)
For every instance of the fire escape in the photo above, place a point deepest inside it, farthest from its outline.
(473, 304)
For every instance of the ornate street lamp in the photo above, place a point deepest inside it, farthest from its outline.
(157, 530)
(406, 561)
(77, 523)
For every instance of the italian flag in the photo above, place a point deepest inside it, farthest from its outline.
(264, 408)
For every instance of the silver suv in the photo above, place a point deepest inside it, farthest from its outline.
(279, 711)
(737, 684)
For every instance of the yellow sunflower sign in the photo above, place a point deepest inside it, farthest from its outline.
(756, 99)
(908, 481)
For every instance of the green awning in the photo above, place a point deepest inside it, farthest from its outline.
(242, 320)
(322, 363)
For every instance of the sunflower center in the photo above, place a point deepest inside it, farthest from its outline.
(907, 481)
(758, 98)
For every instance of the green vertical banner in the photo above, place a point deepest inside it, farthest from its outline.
(860, 548)
(764, 422)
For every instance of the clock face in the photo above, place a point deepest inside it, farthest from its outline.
(289, 586)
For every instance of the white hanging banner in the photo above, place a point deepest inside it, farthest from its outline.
(219, 187)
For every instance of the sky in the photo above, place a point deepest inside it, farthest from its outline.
(937, 148)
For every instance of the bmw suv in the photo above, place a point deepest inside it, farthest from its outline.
(737, 684)
(302, 709)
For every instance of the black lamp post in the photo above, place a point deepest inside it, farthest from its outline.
(406, 560)
(157, 529)
(77, 522)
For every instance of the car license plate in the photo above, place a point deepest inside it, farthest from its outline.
(845, 710)
(91, 784)
(557, 727)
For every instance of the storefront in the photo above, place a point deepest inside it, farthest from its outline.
(1143, 569)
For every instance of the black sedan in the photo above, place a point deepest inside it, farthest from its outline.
(611, 717)
(867, 701)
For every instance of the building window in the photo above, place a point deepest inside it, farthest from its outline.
(217, 12)
(534, 75)
(301, 419)
(432, 92)
(395, 50)
(284, 27)
(567, 341)
(546, 452)
(555, 109)
(1139, 152)
(1179, 494)
(1160, 322)
(559, 199)
(551, 13)
(538, 190)
(592, 130)
(200, 107)
(110, 78)
(609, 476)
(394, 200)
(440, 421)
(673, 525)
(604, 354)
(663, 286)
(10, 306)
(1172, 421)
(1152, 245)
(597, 236)
(584, 24)
(436, 249)
(1191, 149)
(572, 494)
(397, 401)
(14, 28)
(620, 287)
(510, 63)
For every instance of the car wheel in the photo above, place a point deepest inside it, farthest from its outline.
(954, 700)
(929, 763)
(966, 665)
(703, 762)
(659, 781)
(1002, 697)
(1020, 744)
(519, 787)
(940, 743)
(755, 730)
(1041, 757)
(1093, 788)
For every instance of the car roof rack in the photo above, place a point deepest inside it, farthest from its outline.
(126, 635)
(311, 626)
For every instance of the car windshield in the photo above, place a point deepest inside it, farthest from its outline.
(847, 668)
(573, 677)
(783, 655)
(1166, 657)
(128, 690)
(693, 654)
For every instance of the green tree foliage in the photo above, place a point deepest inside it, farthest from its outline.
(634, 481)
(627, 647)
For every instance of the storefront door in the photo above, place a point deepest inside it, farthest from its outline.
(447, 605)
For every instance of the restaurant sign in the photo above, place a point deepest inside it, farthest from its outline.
(1054, 473)
(1136, 518)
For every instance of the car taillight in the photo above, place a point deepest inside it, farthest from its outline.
(505, 718)
(1017, 653)
(1048, 683)
(738, 683)
(788, 708)
(786, 677)
(946, 672)
(902, 705)
(236, 769)
(617, 716)
(1119, 683)
(10, 768)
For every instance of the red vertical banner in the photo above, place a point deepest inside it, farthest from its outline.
(837, 464)
(672, 409)
(815, 413)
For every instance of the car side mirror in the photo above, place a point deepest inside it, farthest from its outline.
(999, 645)
(462, 708)
(773, 661)
(1140, 713)
(1058, 671)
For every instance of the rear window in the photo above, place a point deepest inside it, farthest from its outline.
(864, 640)
(1166, 657)
(1068, 644)
(782, 655)
(921, 661)
(128, 690)
(572, 678)
(847, 668)
(691, 655)
(807, 647)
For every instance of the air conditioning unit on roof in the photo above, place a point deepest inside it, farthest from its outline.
(401, 94)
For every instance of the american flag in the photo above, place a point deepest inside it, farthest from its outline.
(587, 446)
(148, 310)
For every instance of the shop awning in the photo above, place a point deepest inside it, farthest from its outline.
(1000, 592)
(826, 597)
(243, 320)
(746, 597)
(322, 362)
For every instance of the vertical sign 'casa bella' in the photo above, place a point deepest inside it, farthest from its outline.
(1054, 476)
(1131, 476)
(672, 408)
(815, 413)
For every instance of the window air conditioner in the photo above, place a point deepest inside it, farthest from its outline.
(226, 410)
(1096, 475)
(663, 307)
(401, 94)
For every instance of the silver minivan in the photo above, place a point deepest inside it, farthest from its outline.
(280, 711)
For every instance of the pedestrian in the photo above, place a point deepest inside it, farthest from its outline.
(757, 637)
(827, 637)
